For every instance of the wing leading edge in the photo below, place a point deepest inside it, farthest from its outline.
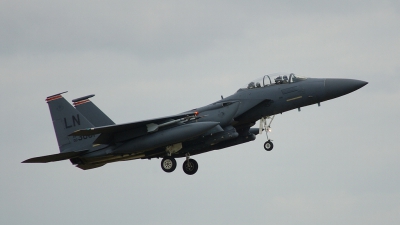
(126, 131)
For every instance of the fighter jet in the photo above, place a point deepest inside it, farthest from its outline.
(90, 139)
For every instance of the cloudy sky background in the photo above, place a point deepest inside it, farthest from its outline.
(334, 164)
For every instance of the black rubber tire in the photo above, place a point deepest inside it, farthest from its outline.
(268, 145)
(168, 164)
(190, 167)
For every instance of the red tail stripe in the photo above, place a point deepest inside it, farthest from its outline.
(48, 99)
(81, 102)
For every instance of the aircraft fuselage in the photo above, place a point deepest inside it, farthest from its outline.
(90, 139)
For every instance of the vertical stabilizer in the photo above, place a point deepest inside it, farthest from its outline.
(66, 119)
(97, 117)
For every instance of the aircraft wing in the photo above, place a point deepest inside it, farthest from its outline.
(54, 157)
(139, 128)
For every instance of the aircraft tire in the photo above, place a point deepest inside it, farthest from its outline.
(168, 164)
(268, 145)
(190, 167)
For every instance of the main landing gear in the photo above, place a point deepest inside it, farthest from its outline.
(168, 164)
(190, 166)
(268, 145)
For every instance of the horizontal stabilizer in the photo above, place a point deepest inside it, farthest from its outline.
(54, 158)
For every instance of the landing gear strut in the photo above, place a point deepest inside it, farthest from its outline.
(168, 164)
(190, 166)
(268, 145)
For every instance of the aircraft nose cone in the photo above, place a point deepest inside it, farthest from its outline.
(337, 87)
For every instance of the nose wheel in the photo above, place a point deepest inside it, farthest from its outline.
(268, 145)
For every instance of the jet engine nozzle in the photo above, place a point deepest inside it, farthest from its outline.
(337, 87)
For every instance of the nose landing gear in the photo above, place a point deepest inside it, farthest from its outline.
(268, 145)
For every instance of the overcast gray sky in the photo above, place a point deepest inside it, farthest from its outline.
(334, 164)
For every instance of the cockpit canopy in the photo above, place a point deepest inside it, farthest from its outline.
(274, 79)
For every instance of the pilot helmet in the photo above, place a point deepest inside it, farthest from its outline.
(251, 85)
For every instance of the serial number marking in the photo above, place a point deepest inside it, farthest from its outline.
(81, 138)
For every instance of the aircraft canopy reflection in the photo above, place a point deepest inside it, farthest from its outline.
(275, 78)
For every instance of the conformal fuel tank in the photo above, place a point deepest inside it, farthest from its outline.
(165, 137)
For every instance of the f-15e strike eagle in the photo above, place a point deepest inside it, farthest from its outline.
(89, 138)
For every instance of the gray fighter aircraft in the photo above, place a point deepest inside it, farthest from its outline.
(89, 138)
